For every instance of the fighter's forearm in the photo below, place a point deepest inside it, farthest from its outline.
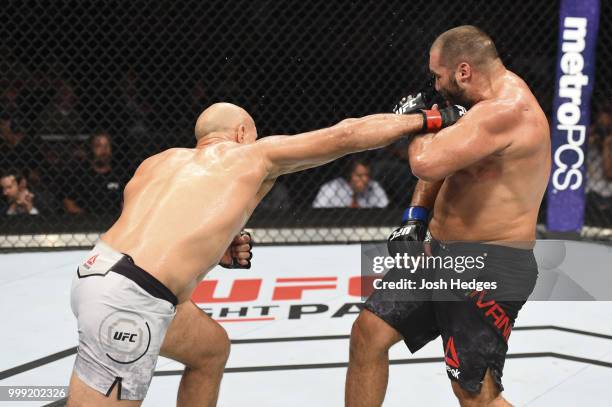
(425, 193)
(378, 130)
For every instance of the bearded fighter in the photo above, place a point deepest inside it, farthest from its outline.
(483, 178)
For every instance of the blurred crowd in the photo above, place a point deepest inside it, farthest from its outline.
(56, 158)
(54, 162)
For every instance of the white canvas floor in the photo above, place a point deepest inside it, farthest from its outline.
(560, 352)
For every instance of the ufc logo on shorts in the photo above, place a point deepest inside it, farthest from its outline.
(122, 336)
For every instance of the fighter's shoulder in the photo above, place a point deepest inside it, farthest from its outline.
(162, 157)
(249, 155)
(529, 111)
(169, 154)
(510, 106)
(496, 115)
(262, 146)
(517, 92)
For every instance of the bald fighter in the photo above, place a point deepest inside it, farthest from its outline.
(182, 215)
(484, 179)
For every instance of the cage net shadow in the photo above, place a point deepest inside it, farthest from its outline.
(90, 89)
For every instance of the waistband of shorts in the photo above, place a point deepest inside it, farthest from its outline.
(496, 250)
(127, 268)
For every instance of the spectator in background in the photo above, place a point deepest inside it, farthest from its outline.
(96, 186)
(354, 190)
(60, 116)
(599, 163)
(390, 167)
(19, 199)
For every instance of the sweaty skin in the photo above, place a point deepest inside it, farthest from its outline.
(494, 164)
(487, 174)
(183, 207)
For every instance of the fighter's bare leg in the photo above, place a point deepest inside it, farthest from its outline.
(203, 346)
(368, 371)
(489, 395)
(81, 395)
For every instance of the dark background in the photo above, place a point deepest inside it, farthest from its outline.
(294, 65)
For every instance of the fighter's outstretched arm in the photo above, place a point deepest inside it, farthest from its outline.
(286, 154)
(483, 131)
(425, 193)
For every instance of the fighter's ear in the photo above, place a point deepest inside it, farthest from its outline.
(241, 134)
(463, 72)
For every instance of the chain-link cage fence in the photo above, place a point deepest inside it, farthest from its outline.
(89, 89)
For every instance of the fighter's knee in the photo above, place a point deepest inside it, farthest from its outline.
(223, 345)
(214, 353)
(371, 333)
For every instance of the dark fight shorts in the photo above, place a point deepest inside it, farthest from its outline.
(475, 325)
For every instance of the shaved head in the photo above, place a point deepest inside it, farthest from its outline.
(465, 44)
(224, 118)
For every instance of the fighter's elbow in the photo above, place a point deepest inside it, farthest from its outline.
(348, 121)
(425, 169)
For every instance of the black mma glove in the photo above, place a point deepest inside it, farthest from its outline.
(230, 258)
(413, 229)
(421, 100)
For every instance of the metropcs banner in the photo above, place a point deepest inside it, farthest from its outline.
(578, 25)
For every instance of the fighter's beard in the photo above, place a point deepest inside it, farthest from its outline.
(457, 96)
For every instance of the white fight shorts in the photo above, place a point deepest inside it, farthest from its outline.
(123, 313)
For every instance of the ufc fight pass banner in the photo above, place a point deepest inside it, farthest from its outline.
(578, 25)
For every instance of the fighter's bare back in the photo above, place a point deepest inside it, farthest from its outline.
(203, 197)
